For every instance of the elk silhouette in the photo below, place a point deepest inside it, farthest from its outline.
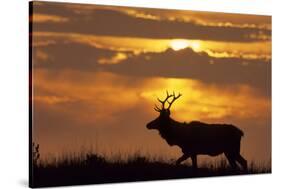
(196, 138)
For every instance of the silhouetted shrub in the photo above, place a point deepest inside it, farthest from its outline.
(35, 154)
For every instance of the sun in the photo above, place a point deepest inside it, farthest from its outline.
(178, 44)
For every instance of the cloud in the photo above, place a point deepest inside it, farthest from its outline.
(111, 22)
(69, 56)
(203, 18)
(199, 17)
(189, 64)
(41, 18)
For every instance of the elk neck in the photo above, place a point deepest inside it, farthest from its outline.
(169, 129)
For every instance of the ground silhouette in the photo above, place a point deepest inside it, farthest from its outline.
(92, 168)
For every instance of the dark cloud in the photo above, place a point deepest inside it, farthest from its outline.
(189, 64)
(110, 22)
(70, 56)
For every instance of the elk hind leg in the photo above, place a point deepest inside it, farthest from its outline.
(242, 161)
(182, 158)
(231, 160)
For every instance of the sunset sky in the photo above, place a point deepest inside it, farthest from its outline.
(98, 70)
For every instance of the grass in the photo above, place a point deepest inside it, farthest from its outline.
(91, 168)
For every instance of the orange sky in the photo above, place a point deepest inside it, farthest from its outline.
(98, 70)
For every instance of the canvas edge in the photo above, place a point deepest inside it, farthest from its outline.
(30, 120)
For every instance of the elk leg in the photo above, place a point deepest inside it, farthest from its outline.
(242, 162)
(182, 158)
(231, 161)
(194, 161)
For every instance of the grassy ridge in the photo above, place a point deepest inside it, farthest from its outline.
(91, 168)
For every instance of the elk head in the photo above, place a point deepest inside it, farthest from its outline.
(164, 117)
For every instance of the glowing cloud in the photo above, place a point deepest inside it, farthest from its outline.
(255, 50)
(48, 18)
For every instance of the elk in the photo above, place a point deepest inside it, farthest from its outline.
(198, 138)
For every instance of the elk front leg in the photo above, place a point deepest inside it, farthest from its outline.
(182, 158)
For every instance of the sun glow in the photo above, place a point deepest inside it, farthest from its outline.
(196, 46)
(178, 44)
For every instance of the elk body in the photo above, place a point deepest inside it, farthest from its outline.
(196, 138)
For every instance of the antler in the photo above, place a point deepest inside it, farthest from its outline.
(162, 102)
(156, 108)
(174, 98)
